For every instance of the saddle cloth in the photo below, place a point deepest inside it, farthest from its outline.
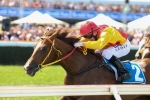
(134, 69)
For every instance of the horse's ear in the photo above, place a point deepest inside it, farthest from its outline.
(48, 28)
(54, 33)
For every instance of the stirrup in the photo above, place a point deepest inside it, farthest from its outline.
(121, 78)
(126, 76)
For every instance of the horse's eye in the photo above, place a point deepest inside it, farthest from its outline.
(44, 48)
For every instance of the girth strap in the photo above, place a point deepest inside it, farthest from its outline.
(94, 65)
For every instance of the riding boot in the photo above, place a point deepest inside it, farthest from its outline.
(120, 67)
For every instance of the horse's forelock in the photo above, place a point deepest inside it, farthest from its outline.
(49, 32)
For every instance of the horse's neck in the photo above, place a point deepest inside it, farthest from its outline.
(77, 61)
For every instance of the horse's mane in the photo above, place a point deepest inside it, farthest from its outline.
(66, 35)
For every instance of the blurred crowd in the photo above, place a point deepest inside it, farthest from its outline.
(58, 4)
(32, 32)
(26, 32)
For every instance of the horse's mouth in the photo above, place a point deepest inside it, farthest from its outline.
(32, 71)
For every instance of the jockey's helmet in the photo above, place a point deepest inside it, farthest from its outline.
(88, 28)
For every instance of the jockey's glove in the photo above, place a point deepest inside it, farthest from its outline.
(78, 44)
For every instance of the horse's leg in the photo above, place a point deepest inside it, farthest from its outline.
(67, 98)
(95, 98)
(142, 98)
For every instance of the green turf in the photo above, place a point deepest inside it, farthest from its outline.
(16, 76)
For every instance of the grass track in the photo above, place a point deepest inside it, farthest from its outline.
(16, 76)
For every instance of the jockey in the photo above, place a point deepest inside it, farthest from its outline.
(108, 42)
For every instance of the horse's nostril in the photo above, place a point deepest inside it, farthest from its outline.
(26, 68)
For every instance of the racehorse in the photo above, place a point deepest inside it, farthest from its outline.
(144, 48)
(82, 68)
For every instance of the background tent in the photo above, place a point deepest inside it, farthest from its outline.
(39, 18)
(102, 19)
(32, 18)
(46, 19)
(142, 23)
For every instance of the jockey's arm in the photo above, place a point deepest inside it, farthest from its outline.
(100, 43)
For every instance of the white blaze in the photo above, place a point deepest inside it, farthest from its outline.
(37, 47)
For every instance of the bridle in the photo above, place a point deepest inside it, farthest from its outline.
(42, 65)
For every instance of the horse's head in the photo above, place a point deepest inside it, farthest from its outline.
(47, 50)
(144, 48)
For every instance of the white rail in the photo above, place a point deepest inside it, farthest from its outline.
(74, 90)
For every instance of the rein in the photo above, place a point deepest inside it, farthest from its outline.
(42, 65)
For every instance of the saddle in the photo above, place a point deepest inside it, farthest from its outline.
(133, 68)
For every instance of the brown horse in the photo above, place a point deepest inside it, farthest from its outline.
(56, 45)
(144, 48)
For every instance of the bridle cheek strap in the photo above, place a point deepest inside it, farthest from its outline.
(42, 65)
